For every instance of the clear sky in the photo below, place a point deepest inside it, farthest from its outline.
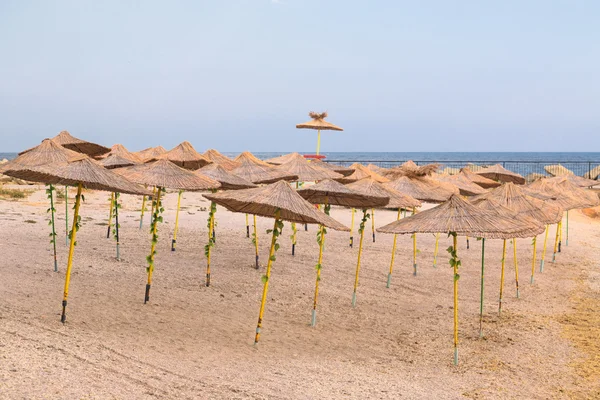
(463, 75)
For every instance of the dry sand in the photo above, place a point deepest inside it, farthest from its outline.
(191, 341)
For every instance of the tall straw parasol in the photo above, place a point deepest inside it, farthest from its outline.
(329, 192)
(305, 171)
(362, 172)
(257, 171)
(46, 153)
(558, 170)
(482, 181)
(185, 156)
(515, 198)
(499, 173)
(318, 123)
(119, 157)
(83, 172)
(70, 142)
(218, 158)
(163, 174)
(457, 217)
(277, 201)
(150, 153)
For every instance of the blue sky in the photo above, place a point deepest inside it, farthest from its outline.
(470, 75)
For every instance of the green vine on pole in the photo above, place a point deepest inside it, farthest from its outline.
(363, 222)
(211, 241)
(52, 210)
(276, 233)
(156, 218)
(454, 260)
(78, 222)
(115, 212)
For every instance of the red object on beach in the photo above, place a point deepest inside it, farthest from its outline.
(314, 156)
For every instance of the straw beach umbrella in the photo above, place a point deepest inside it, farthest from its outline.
(278, 201)
(218, 158)
(46, 153)
(558, 170)
(282, 159)
(465, 186)
(329, 192)
(515, 198)
(499, 173)
(362, 172)
(81, 173)
(66, 140)
(163, 174)
(318, 123)
(305, 171)
(477, 179)
(576, 180)
(185, 156)
(457, 217)
(151, 153)
(333, 167)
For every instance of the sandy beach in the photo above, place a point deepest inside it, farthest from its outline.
(191, 341)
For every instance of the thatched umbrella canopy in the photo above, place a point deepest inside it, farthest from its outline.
(466, 186)
(376, 168)
(81, 173)
(576, 180)
(593, 173)
(586, 198)
(371, 187)
(218, 158)
(277, 201)
(458, 217)
(424, 189)
(306, 171)
(318, 123)
(482, 181)
(265, 200)
(499, 173)
(410, 169)
(558, 170)
(151, 153)
(331, 192)
(256, 171)
(333, 167)
(283, 158)
(166, 174)
(70, 142)
(185, 156)
(362, 172)
(46, 153)
(534, 176)
(120, 157)
(227, 180)
(514, 198)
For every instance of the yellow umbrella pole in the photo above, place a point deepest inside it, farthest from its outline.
(560, 236)
(73, 235)
(255, 240)
(361, 230)
(110, 214)
(556, 242)
(414, 237)
(502, 277)
(174, 241)
(276, 232)
(67, 215)
(211, 239)
(544, 249)
(156, 209)
(373, 223)
(533, 259)
(143, 209)
(319, 266)
(294, 232)
(435, 251)
(455, 264)
(352, 229)
(247, 227)
(389, 279)
(516, 265)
